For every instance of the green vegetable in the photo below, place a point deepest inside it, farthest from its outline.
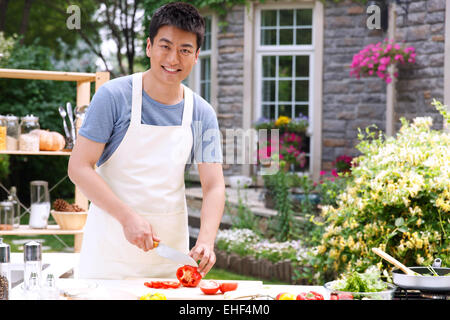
(369, 281)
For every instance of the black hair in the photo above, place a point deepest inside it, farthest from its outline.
(181, 15)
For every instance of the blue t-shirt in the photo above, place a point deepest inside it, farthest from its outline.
(108, 118)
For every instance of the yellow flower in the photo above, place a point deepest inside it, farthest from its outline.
(282, 120)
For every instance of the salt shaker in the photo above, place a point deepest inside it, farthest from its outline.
(50, 291)
(5, 272)
(33, 263)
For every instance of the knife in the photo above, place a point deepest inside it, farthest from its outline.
(174, 255)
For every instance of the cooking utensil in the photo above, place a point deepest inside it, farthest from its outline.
(63, 114)
(416, 277)
(70, 114)
(174, 255)
(394, 261)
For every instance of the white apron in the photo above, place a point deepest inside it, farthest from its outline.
(147, 172)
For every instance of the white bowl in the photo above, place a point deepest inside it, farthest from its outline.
(239, 181)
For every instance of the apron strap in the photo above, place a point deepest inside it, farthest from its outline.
(136, 102)
(188, 106)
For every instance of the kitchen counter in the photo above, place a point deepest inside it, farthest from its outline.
(62, 265)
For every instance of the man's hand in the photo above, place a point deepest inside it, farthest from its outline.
(204, 253)
(138, 231)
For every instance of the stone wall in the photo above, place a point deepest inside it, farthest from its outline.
(230, 68)
(417, 85)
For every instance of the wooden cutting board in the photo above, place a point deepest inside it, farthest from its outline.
(136, 286)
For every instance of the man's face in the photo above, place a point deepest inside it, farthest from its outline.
(173, 54)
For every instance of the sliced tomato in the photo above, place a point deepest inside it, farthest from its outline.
(228, 286)
(209, 286)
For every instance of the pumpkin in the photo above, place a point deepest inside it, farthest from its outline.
(50, 140)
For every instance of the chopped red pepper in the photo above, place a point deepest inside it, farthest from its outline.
(188, 276)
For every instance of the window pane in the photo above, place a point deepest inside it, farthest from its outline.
(304, 36)
(301, 111)
(268, 18)
(304, 17)
(286, 36)
(268, 111)
(205, 78)
(269, 66)
(301, 90)
(268, 91)
(286, 17)
(207, 40)
(268, 36)
(285, 110)
(285, 66)
(285, 90)
(302, 66)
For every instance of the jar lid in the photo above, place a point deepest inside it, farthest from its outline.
(29, 117)
(39, 183)
(10, 117)
(4, 252)
(32, 251)
(6, 204)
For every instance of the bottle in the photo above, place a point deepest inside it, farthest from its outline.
(5, 272)
(50, 291)
(34, 289)
(6, 215)
(2, 132)
(40, 204)
(29, 134)
(33, 263)
(12, 132)
(16, 203)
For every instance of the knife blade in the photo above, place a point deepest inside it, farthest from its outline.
(174, 255)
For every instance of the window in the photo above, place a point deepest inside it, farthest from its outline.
(204, 72)
(285, 72)
(284, 55)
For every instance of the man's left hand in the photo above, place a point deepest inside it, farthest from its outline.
(204, 253)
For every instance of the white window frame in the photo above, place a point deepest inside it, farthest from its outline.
(194, 77)
(289, 50)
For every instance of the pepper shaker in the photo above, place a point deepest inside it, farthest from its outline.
(33, 262)
(5, 272)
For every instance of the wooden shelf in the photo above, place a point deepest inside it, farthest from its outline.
(25, 230)
(47, 75)
(39, 153)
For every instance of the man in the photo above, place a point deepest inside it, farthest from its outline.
(140, 132)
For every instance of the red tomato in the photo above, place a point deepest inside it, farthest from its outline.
(209, 286)
(228, 286)
(345, 296)
(301, 296)
(189, 276)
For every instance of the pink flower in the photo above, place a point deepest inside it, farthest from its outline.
(388, 80)
(334, 173)
(322, 173)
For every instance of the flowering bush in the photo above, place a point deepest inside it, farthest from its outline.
(398, 200)
(291, 133)
(375, 59)
(343, 163)
(247, 243)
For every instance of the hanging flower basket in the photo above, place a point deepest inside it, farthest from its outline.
(375, 59)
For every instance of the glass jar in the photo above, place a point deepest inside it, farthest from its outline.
(40, 204)
(32, 257)
(12, 132)
(29, 139)
(2, 132)
(6, 215)
(16, 203)
(5, 272)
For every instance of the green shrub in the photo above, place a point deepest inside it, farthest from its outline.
(398, 200)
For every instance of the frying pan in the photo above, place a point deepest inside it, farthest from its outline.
(414, 278)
